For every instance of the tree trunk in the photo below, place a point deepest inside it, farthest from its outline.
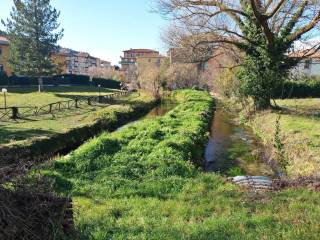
(262, 102)
(40, 83)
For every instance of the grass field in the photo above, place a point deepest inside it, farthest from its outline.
(300, 133)
(29, 96)
(143, 183)
(26, 130)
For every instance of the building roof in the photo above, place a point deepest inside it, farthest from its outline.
(158, 56)
(4, 40)
(141, 50)
(313, 54)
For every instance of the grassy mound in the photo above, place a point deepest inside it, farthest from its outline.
(143, 183)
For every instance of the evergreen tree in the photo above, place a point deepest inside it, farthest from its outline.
(33, 31)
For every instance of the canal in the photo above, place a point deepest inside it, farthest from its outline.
(233, 149)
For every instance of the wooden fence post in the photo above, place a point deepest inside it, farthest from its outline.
(50, 108)
(15, 112)
(76, 103)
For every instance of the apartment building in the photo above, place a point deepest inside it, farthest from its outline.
(144, 63)
(135, 61)
(129, 58)
(4, 55)
(74, 62)
(105, 65)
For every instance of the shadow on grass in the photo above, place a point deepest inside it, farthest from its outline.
(297, 112)
(11, 134)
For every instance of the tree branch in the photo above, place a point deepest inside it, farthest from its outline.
(263, 22)
(275, 9)
(296, 35)
(223, 8)
(294, 19)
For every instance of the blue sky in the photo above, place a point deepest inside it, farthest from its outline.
(105, 28)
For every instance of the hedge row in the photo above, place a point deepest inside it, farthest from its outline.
(299, 89)
(66, 79)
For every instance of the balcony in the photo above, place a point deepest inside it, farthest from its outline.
(126, 62)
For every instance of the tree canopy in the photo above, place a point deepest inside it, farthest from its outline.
(33, 31)
(266, 31)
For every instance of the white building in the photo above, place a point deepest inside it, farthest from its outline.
(310, 66)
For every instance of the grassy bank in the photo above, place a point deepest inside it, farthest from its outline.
(143, 183)
(300, 133)
(41, 148)
(26, 130)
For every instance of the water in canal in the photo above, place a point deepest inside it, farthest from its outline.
(161, 110)
(233, 150)
(157, 111)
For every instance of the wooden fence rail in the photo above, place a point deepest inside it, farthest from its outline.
(17, 112)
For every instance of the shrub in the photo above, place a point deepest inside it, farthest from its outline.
(298, 89)
(65, 79)
(106, 83)
(3, 78)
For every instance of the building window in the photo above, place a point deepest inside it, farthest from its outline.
(307, 64)
(1, 68)
(204, 66)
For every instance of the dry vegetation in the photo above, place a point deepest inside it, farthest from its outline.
(300, 133)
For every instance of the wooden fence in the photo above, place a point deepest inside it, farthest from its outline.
(28, 111)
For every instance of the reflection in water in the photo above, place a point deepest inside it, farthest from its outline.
(161, 110)
(233, 150)
(158, 111)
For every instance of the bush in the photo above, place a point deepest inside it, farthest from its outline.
(106, 83)
(299, 89)
(3, 79)
(65, 79)
(22, 81)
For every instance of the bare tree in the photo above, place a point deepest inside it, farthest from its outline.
(151, 79)
(107, 73)
(182, 75)
(265, 31)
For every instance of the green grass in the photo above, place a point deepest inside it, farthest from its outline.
(143, 183)
(29, 96)
(23, 131)
(300, 133)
